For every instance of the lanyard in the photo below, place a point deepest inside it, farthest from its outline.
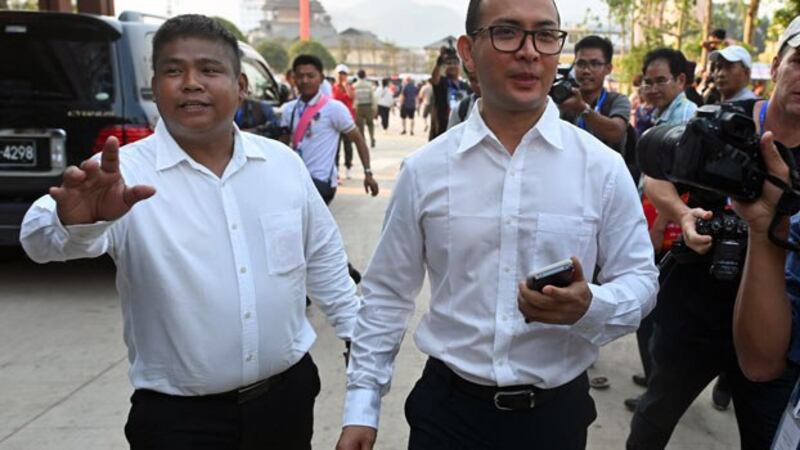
(763, 115)
(603, 97)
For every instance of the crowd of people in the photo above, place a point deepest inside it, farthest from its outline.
(220, 237)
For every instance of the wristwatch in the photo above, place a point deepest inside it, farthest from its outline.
(368, 172)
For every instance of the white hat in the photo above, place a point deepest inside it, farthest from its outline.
(341, 68)
(733, 53)
(792, 35)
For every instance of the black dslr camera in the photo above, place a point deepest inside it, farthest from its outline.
(719, 150)
(729, 234)
(562, 87)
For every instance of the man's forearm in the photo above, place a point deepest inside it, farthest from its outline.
(665, 198)
(762, 319)
(361, 147)
(608, 129)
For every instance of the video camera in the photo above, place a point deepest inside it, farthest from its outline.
(718, 151)
(563, 85)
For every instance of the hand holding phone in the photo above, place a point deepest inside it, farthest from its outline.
(558, 274)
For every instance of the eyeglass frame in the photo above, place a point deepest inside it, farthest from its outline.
(594, 64)
(525, 34)
(646, 86)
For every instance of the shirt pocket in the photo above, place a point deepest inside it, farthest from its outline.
(283, 237)
(560, 237)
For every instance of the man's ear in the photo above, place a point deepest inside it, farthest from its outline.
(681, 79)
(242, 83)
(464, 45)
(773, 70)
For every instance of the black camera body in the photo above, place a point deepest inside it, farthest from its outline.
(729, 235)
(562, 89)
(719, 150)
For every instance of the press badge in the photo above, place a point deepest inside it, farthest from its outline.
(788, 436)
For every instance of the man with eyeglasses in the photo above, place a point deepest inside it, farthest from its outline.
(511, 190)
(604, 114)
(693, 337)
(664, 81)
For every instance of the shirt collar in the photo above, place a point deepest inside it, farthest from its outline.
(677, 101)
(313, 100)
(475, 129)
(170, 154)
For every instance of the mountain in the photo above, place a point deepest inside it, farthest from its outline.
(407, 23)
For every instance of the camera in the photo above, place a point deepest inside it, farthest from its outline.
(447, 54)
(562, 88)
(719, 150)
(729, 234)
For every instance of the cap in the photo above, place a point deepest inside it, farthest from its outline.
(733, 53)
(341, 68)
(791, 36)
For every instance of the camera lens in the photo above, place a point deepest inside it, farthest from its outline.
(655, 151)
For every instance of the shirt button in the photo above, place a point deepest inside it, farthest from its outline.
(506, 269)
(512, 173)
(234, 227)
(243, 269)
(508, 221)
(249, 357)
(247, 315)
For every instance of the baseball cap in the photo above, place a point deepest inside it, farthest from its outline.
(341, 68)
(733, 53)
(791, 36)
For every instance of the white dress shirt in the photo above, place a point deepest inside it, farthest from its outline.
(212, 272)
(479, 220)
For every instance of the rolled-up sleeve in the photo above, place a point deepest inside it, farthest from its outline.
(391, 284)
(628, 277)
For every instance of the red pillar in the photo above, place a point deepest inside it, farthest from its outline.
(305, 20)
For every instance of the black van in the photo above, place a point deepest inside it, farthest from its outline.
(67, 82)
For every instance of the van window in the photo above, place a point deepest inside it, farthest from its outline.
(260, 84)
(55, 69)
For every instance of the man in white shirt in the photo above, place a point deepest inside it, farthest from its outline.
(314, 123)
(511, 190)
(213, 265)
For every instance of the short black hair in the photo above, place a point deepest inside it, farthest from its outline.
(675, 59)
(307, 60)
(200, 27)
(361, 74)
(691, 66)
(597, 42)
(473, 15)
(720, 34)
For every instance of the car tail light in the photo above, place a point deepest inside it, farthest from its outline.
(126, 134)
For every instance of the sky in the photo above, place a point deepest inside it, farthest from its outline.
(419, 15)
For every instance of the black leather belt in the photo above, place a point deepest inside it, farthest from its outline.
(507, 398)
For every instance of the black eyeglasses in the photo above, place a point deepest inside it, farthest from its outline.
(509, 39)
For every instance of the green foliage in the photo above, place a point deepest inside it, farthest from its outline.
(232, 28)
(630, 65)
(312, 48)
(275, 54)
(784, 16)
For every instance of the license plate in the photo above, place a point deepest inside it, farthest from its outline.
(17, 153)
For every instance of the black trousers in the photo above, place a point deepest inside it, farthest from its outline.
(281, 419)
(444, 417)
(692, 343)
(383, 112)
(347, 144)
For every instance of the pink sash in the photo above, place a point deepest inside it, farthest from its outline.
(305, 120)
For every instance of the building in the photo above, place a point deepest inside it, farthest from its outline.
(281, 20)
(251, 13)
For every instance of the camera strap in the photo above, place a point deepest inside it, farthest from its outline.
(598, 106)
(789, 203)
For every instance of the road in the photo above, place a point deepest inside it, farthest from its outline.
(63, 365)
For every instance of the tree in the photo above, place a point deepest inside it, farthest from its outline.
(312, 48)
(784, 16)
(232, 28)
(275, 54)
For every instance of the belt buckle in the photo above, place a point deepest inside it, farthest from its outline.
(498, 396)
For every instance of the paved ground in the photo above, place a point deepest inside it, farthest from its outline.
(63, 366)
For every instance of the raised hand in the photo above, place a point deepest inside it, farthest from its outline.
(357, 438)
(95, 191)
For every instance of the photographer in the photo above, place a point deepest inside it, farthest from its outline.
(448, 90)
(693, 339)
(765, 327)
(603, 114)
